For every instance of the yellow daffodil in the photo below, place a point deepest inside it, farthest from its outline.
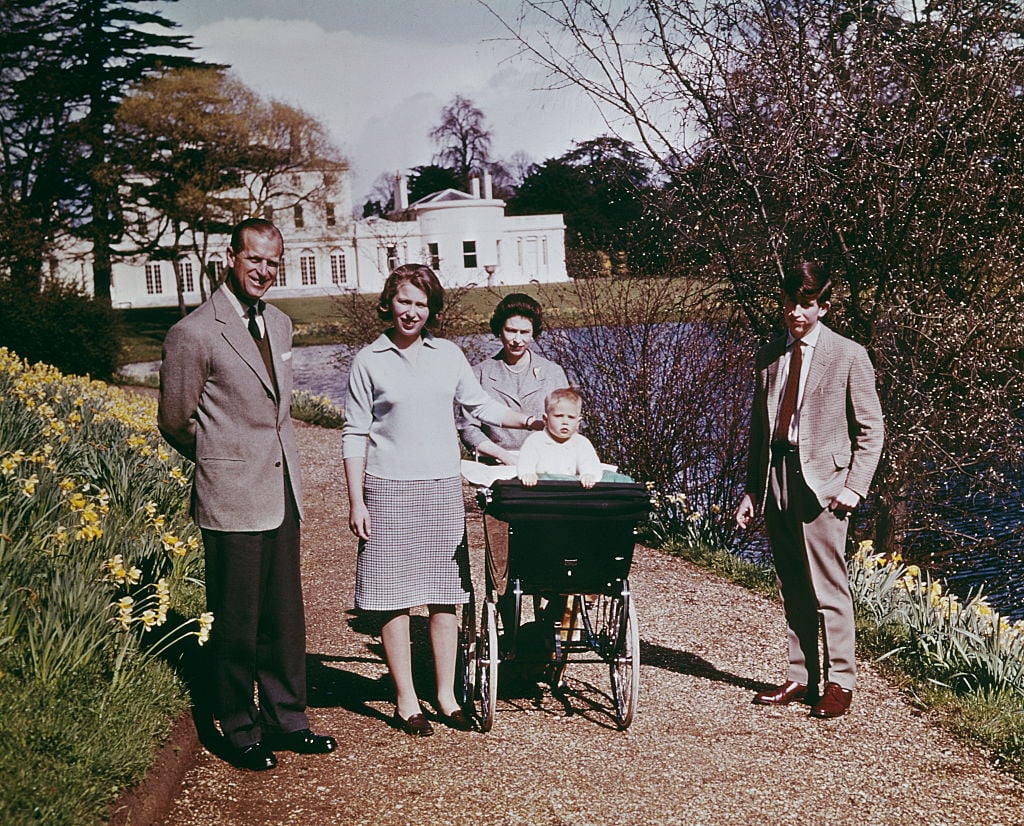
(205, 624)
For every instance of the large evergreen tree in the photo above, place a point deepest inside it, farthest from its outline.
(603, 187)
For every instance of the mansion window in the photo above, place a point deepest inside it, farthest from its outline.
(307, 267)
(183, 269)
(215, 268)
(268, 212)
(154, 283)
(435, 256)
(393, 261)
(300, 222)
(329, 212)
(339, 276)
(279, 279)
(469, 254)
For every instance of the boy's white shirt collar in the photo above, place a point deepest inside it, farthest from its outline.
(809, 340)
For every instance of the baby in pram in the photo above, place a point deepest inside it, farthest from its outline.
(560, 448)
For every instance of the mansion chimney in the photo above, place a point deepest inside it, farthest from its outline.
(401, 193)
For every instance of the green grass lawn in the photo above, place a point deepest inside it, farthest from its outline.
(321, 320)
(351, 318)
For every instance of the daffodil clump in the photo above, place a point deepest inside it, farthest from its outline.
(676, 516)
(318, 410)
(964, 642)
(96, 550)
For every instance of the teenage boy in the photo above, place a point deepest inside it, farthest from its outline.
(815, 439)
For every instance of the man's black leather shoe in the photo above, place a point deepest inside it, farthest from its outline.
(254, 758)
(302, 741)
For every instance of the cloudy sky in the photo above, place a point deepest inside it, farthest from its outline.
(378, 72)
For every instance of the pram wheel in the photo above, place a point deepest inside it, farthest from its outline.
(487, 659)
(612, 623)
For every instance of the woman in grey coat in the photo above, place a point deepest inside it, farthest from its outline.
(516, 376)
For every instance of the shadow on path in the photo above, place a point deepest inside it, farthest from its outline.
(684, 662)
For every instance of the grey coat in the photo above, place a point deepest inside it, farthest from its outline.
(220, 408)
(542, 377)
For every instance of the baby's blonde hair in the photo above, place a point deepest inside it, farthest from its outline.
(563, 394)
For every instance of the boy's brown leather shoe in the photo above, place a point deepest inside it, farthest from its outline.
(835, 702)
(788, 692)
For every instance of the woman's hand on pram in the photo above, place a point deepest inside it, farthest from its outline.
(589, 481)
(507, 457)
(528, 479)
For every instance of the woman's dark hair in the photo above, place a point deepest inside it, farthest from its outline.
(421, 277)
(515, 304)
(807, 281)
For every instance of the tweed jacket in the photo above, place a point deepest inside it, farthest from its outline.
(841, 427)
(220, 408)
(542, 377)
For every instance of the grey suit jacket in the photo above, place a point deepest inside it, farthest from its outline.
(543, 377)
(219, 407)
(841, 427)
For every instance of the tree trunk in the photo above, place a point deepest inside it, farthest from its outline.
(179, 284)
(889, 524)
(101, 266)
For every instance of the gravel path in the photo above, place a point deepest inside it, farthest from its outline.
(698, 751)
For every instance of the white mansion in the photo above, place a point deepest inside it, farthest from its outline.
(465, 237)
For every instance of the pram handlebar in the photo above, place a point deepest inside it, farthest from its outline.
(511, 501)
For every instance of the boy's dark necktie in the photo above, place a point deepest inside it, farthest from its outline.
(788, 407)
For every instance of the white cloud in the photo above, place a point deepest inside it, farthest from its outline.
(379, 97)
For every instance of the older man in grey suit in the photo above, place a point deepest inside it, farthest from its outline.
(815, 440)
(225, 397)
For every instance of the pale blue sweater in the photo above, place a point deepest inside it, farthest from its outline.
(401, 416)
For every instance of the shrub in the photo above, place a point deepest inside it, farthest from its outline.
(61, 326)
(667, 389)
(318, 410)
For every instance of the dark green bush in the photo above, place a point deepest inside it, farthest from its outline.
(62, 326)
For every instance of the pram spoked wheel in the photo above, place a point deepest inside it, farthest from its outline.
(465, 666)
(486, 666)
(617, 633)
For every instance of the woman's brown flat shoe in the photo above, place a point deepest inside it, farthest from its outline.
(457, 720)
(417, 725)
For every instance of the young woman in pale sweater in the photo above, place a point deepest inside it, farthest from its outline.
(402, 466)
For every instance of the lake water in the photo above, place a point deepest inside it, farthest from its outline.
(996, 566)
